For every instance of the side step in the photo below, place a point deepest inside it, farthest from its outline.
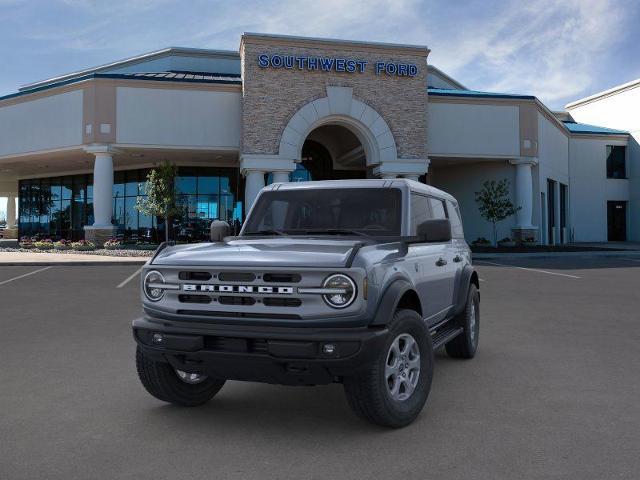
(444, 335)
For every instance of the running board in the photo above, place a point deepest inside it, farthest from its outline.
(445, 335)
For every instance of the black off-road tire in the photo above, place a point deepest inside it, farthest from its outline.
(162, 381)
(466, 344)
(368, 393)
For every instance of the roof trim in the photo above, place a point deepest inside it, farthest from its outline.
(196, 52)
(447, 77)
(115, 76)
(605, 93)
(442, 92)
(593, 129)
(314, 41)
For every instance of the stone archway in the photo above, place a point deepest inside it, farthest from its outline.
(340, 108)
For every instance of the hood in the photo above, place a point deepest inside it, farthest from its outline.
(277, 252)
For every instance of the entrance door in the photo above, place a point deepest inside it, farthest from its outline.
(617, 221)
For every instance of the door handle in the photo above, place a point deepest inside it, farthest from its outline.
(457, 258)
(441, 262)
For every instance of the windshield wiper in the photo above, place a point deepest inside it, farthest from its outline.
(267, 232)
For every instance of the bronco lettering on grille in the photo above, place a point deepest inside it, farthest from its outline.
(192, 287)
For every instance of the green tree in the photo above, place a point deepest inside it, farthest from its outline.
(494, 203)
(161, 198)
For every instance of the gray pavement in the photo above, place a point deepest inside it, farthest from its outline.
(552, 393)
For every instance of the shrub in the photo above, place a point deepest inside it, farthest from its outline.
(83, 245)
(113, 244)
(43, 244)
(481, 241)
(26, 242)
(62, 245)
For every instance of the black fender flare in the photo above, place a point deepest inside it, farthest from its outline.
(389, 301)
(467, 277)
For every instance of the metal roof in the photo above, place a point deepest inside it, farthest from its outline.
(135, 60)
(585, 128)
(186, 77)
(475, 93)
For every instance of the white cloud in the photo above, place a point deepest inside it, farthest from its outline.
(546, 48)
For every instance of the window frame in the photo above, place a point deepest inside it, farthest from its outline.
(608, 151)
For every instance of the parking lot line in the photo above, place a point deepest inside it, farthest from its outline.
(129, 278)
(25, 275)
(529, 269)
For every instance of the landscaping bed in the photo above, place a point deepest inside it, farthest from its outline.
(539, 248)
(100, 251)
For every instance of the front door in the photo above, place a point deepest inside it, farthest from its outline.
(617, 221)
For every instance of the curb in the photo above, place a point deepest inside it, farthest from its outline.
(595, 253)
(72, 264)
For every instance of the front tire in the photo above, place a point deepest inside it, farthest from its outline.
(393, 389)
(173, 386)
(466, 344)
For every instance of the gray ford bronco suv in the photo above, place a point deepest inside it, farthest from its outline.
(347, 281)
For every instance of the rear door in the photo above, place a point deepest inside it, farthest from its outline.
(428, 264)
(446, 265)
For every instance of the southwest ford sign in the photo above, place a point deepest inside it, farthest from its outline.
(334, 64)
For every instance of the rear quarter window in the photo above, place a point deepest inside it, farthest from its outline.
(455, 219)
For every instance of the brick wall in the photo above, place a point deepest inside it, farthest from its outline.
(271, 96)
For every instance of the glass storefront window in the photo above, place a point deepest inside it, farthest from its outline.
(60, 207)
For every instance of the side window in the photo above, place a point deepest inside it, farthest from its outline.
(456, 221)
(437, 208)
(420, 211)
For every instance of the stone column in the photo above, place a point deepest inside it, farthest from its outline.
(254, 183)
(253, 166)
(524, 198)
(11, 232)
(410, 168)
(11, 211)
(102, 229)
(280, 176)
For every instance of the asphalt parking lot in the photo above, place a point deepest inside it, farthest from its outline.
(553, 392)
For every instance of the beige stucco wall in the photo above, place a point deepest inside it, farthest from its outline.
(271, 96)
(54, 121)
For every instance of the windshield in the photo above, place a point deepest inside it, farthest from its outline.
(356, 211)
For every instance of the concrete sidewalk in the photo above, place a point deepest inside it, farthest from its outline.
(635, 254)
(33, 258)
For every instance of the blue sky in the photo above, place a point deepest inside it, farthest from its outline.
(557, 50)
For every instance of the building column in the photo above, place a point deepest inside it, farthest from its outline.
(254, 166)
(11, 212)
(102, 228)
(410, 168)
(11, 232)
(254, 183)
(524, 198)
(280, 176)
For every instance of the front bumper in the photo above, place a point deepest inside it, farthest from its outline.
(283, 355)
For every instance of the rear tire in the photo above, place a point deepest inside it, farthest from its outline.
(163, 382)
(466, 344)
(374, 394)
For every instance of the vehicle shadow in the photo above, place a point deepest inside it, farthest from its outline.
(274, 409)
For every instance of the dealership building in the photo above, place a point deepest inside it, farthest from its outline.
(75, 149)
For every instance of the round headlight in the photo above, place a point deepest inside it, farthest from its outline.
(151, 289)
(344, 291)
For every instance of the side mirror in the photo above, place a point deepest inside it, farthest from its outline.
(435, 230)
(219, 230)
